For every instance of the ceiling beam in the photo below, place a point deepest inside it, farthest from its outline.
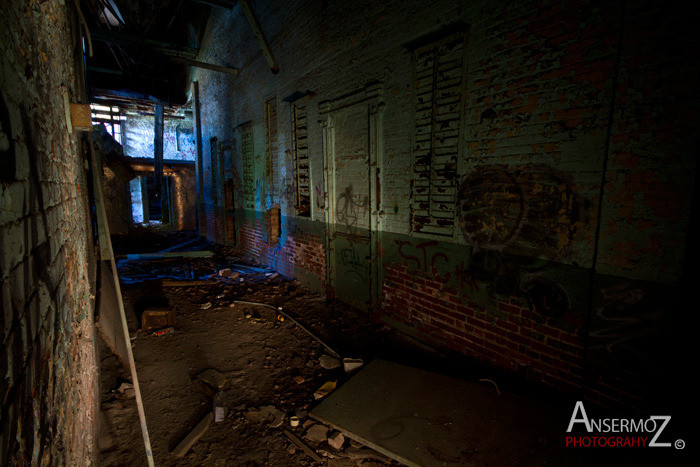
(219, 3)
(254, 25)
(259, 35)
(208, 66)
(162, 47)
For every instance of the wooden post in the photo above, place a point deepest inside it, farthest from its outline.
(259, 35)
(198, 137)
(144, 199)
(158, 161)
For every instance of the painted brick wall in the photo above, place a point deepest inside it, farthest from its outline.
(48, 372)
(577, 144)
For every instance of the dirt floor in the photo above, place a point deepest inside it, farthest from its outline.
(268, 369)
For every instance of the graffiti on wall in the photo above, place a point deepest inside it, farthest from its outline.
(348, 210)
(628, 320)
(530, 210)
(320, 198)
(519, 222)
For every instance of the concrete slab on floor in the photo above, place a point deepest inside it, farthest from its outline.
(422, 418)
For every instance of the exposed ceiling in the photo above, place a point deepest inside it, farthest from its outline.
(141, 49)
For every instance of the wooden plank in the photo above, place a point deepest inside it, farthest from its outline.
(166, 255)
(108, 320)
(102, 219)
(259, 35)
(309, 452)
(194, 435)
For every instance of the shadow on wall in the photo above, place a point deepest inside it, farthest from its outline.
(510, 296)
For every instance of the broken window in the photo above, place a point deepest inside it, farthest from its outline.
(438, 84)
(302, 178)
(110, 117)
(270, 140)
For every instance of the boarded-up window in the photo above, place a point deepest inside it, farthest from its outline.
(248, 160)
(270, 141)
(439, 81)
(302, 178)
(214, 169)
(273, 224)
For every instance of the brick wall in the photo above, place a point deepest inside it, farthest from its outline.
(511, 337)
(573, 143)
(48, 373)
(291, 255)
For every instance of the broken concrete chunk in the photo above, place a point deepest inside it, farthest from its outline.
(336, 440)
(317, 433)
(212, 377)
(329, 362)
(267, 414)
(307, 424)
(299, 379)
(124, 387)
(352, 364)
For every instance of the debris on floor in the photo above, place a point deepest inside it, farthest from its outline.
(214, 378)
(233, 352)
(329, 362)
(194, 435)
(157, 318)
(352, 364)
(252, 347)
(324, 390)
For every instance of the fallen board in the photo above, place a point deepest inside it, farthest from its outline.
(422, 418)
(175, 254)
(194, 435)
(108, 319)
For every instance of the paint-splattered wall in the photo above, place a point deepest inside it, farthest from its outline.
(508, 180)
(138, 136)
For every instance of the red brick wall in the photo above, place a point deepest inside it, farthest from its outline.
(304, 252)
(211, 223)
(513, 338)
